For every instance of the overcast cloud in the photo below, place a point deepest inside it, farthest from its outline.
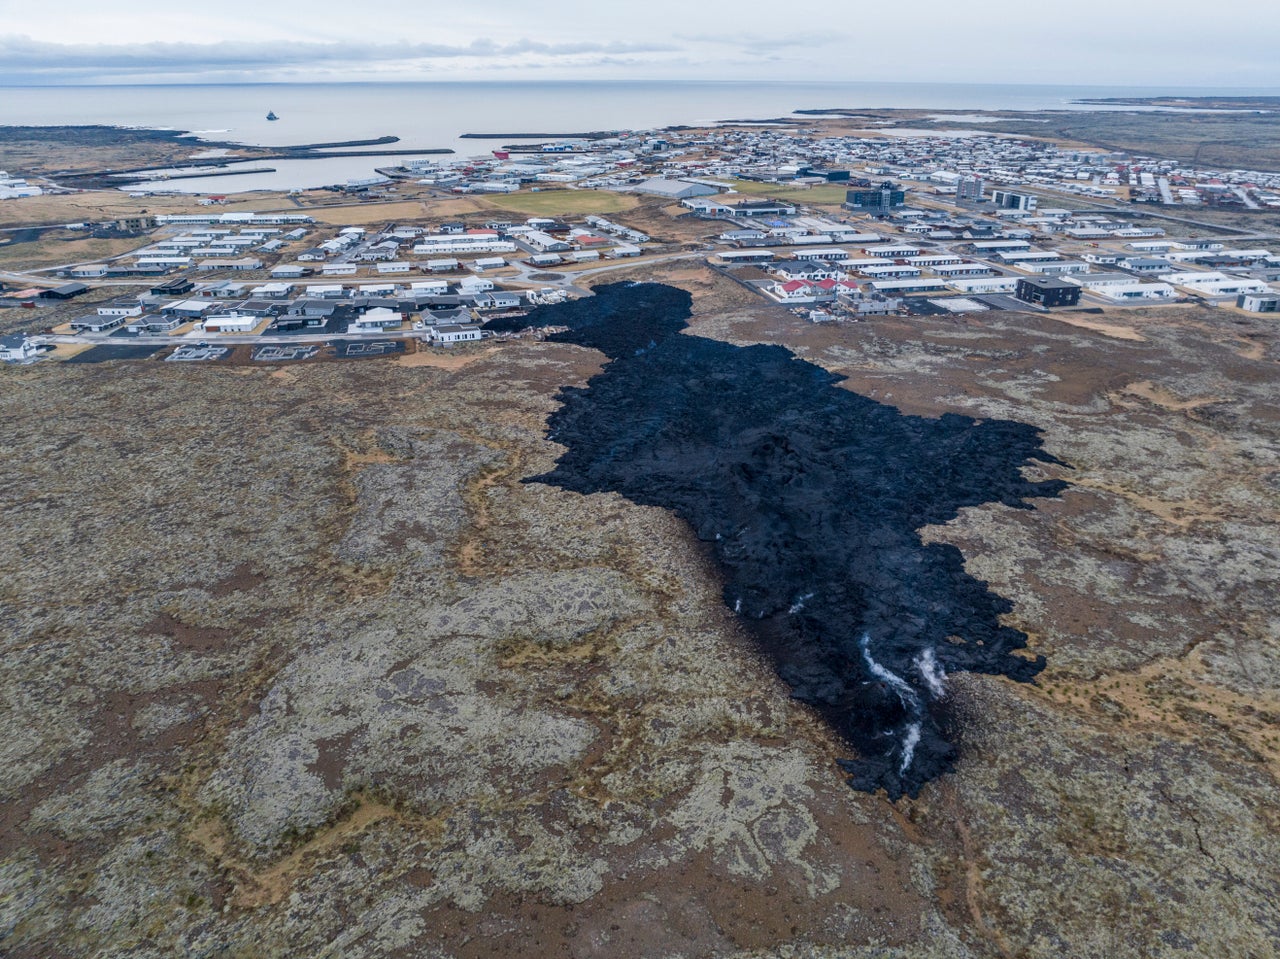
(1177, 43)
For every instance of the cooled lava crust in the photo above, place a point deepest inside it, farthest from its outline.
(811, 499)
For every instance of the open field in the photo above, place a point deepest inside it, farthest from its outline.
(364, 214)
(561, 202)
(97, 205)
(832, 193)
(62, 247)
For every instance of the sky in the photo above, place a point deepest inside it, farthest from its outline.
(1177, 43)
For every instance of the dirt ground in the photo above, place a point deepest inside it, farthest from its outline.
(96, 205)
(297, 663)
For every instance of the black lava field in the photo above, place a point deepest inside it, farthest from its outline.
(810, 498)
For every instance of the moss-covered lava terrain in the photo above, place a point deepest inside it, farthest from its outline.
(297, 663)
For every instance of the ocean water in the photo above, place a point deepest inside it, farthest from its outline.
(435, 115)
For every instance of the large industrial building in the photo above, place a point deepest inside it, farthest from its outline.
(675, 189)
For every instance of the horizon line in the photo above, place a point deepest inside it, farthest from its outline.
(1258, 90)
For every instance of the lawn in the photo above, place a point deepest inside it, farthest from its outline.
(826, 193)
(363, 214)
(557, 202)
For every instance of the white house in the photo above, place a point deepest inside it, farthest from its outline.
(813, 272)
(921, 285)
(272, 291)
(165, 262)
(1215, 284)
(800, 291)
(1132, 291)
(17, 349)
(986, 284)
(376, 321)
(327, 291)
(464, 243)
(244, 264)
(890, 271)
(1055, 267)
(128, 308)
(456, 333)
(231, 323)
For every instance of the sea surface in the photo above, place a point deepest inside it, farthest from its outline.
(435, 115)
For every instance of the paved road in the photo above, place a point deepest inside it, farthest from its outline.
(27, 279)
(30, 279)
(225, 339)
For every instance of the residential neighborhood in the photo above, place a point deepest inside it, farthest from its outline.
(839, 228)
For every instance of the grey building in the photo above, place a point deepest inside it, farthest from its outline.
(1259, 302)
(969, 189)
(879, 200)
(1048, 291)
(674, 189)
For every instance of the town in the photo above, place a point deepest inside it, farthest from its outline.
(834, 228)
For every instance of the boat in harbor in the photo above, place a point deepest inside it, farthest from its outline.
(271, 115)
